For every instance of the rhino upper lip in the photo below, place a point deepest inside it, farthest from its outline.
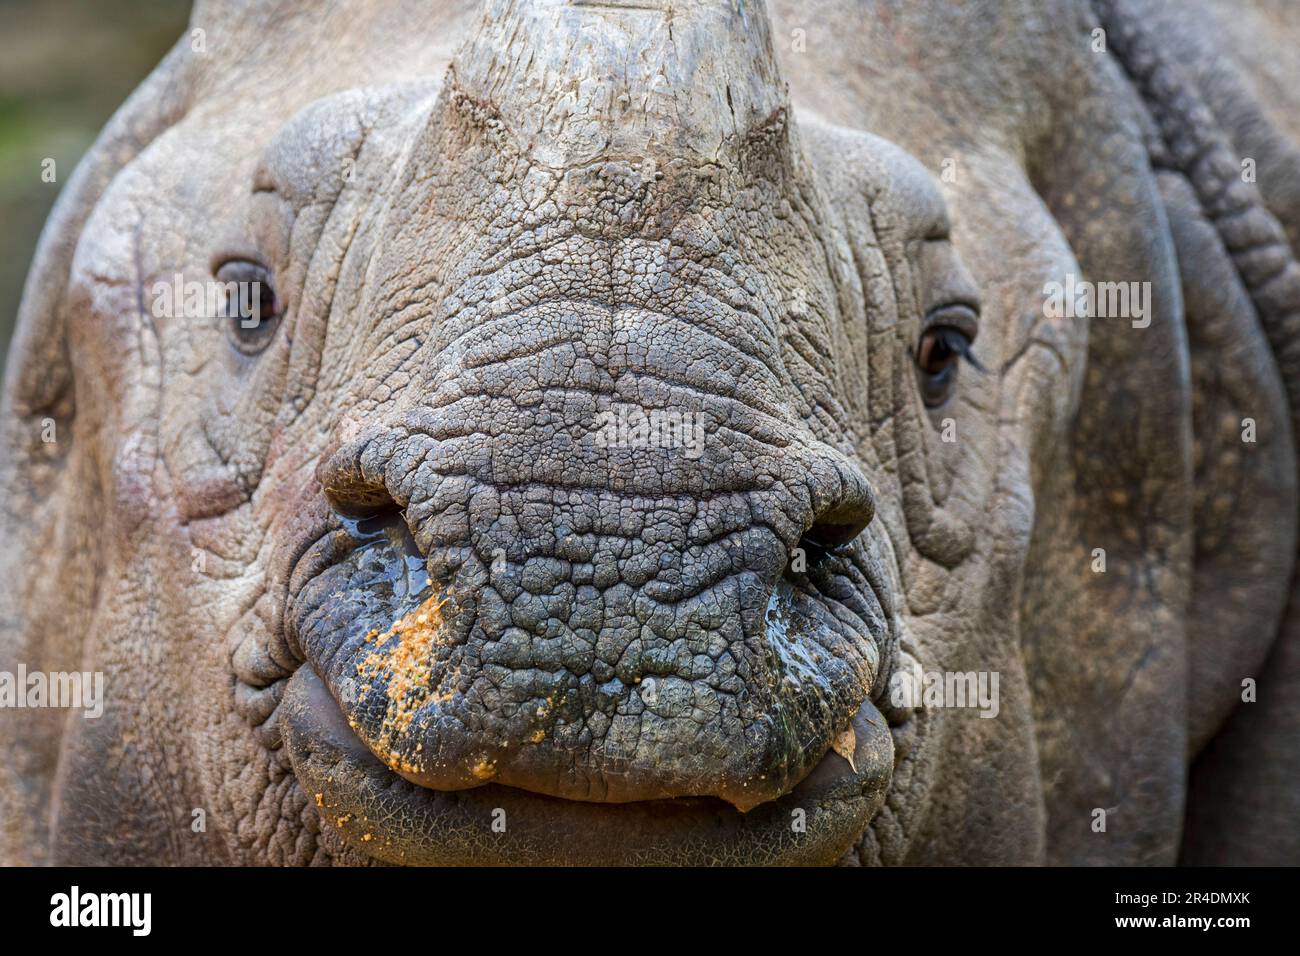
(325, 545)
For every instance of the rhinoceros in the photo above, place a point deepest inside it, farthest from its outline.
(666, 431)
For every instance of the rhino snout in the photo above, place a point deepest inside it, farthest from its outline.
(587, 640)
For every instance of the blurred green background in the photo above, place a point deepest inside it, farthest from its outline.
(65, 66)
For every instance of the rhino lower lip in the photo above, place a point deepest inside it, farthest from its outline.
(386, 817)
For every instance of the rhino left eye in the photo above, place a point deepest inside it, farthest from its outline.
(946, 341)
(251, 311)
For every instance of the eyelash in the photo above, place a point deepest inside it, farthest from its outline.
(956, 341)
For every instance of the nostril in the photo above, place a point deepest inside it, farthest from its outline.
(845, 515)
(819, 543)
(363, 509)
(842, 505)
(825, 539)
(352, 477)
(827, 535)
(351, 495)
(374, 522)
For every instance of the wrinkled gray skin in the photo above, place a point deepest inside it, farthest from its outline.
(486, 226)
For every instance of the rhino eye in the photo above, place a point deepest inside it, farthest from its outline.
(946, 341)
(251, 309)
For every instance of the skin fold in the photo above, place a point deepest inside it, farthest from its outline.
(381, 580)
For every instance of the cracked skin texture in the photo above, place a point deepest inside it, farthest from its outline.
(490, 223)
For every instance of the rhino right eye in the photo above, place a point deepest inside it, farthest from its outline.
(945, 342)
(251, 311)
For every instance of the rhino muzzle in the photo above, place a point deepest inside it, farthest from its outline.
(560, 634)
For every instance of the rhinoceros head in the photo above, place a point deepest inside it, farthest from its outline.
(600, 432)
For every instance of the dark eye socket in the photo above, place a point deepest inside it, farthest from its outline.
(946, 341)
(251, 311)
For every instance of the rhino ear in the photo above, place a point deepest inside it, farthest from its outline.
(46, 472)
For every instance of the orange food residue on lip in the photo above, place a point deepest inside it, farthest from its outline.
(404, 658)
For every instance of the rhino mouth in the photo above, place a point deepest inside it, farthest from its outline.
(352, 713)
(392, 820)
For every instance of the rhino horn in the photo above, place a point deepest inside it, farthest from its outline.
(583, 80)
